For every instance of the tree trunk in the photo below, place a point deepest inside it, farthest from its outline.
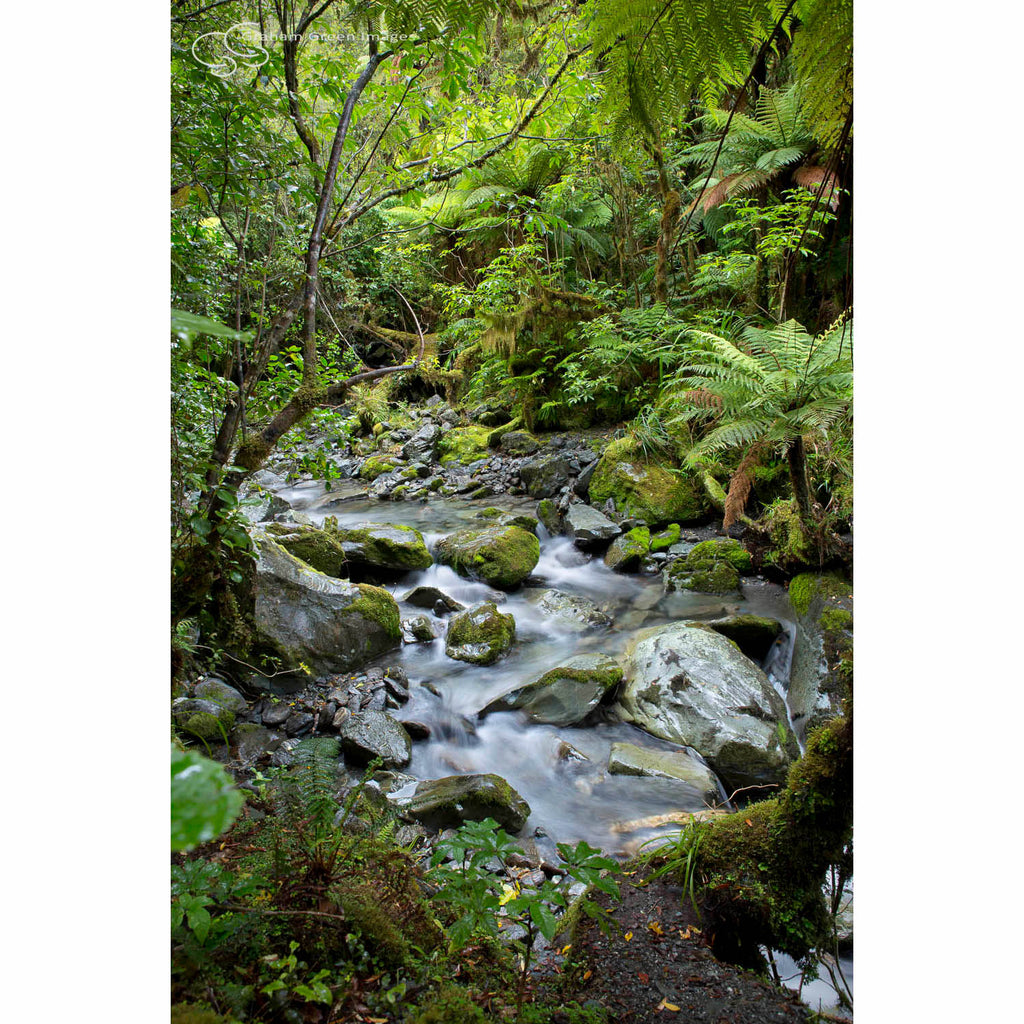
(798, 477)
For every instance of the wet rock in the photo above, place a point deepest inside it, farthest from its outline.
(565, 695)
(480, 635)
(543, 477)
(276, 714)
(298, 723)
(630, 759)
(582, 484)
(369, 734)
(220, 693)
(502, 556)
(448, 802)
(664, 540)
(490, 414)
(754, 634)
(502, 518)
(590, 529)
(418, 630)
(689, 685)
(547, 513)
(327, 623)
(626, 551)
(431, 597)
(578, 614)
(254, 741)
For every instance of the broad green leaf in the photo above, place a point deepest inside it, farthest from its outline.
(204, 801)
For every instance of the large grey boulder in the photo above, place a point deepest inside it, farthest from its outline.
(448, 802)
(629, 759)
(572, 612)
(544, 476)
(689, 685)
(590, 530)
(220, 693)
(329, 624)
(369, 734)
(564, 695)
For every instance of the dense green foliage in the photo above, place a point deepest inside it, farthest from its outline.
(581, 214)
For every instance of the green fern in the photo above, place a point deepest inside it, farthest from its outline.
(316, 767)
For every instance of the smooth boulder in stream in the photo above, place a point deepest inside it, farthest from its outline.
(629, 759)
(565, 695)
(448, 802)
(327, 623)
(689, 685)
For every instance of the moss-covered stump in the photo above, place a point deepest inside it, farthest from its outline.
(564, 695)
(480, 635)
(464, 445)
(763, 870)
(311, 618)
(640, 488)
(625, 552)
(502, 556)
(790, 546)
(448, 802)
(711, 567)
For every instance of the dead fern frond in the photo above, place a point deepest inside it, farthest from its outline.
(811, 178)
(703, 399)
(740, 486)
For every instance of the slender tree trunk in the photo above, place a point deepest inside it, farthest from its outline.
(797, 460)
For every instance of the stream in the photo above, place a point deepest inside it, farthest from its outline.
(571, 794)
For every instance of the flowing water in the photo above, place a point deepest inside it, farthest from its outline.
(561, 772)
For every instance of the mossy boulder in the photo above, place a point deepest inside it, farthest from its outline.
(375, 466)
(545, 475)
(626, 551)
(711, 567)
(480, 635)
(308, 617)
(336, 550)
(547, 513)
(518, 442)
(501, 517)
(448, 802)
(689, 685)
(202, 719)
(220, 693)
(502, 556)
(564, 695)
(653, 492)
(464, 445)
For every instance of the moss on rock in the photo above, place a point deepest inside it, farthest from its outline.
(625, 551)
(375, 604)
(480, 635)
(375, 466)
(464, 445)
(809, 587)
(653, 492)
(790, 546)
(666, 538)
(502, 556)
(711, 567)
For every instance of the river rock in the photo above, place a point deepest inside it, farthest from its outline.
(689, 685)
(203, 719)
(480, 635)
(369, 734)
(565, 695)
(431, 597)
(502, 518)
(502, 556)
(544, 476)
(327, 623)
(220, 693)
(422, 446)
(641, 488)
(711, 567)
(581, 486)
(626, 551)
(518, 442)
(578, 614)
(384, 545)
(754, 634)
(590, 530)
(418, 629)
(629, 759)
(448, 802)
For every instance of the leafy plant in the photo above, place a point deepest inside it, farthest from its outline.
(204, 800)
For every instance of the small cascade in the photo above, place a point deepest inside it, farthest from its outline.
(776, 666)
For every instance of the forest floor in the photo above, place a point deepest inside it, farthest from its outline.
(655, 965)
